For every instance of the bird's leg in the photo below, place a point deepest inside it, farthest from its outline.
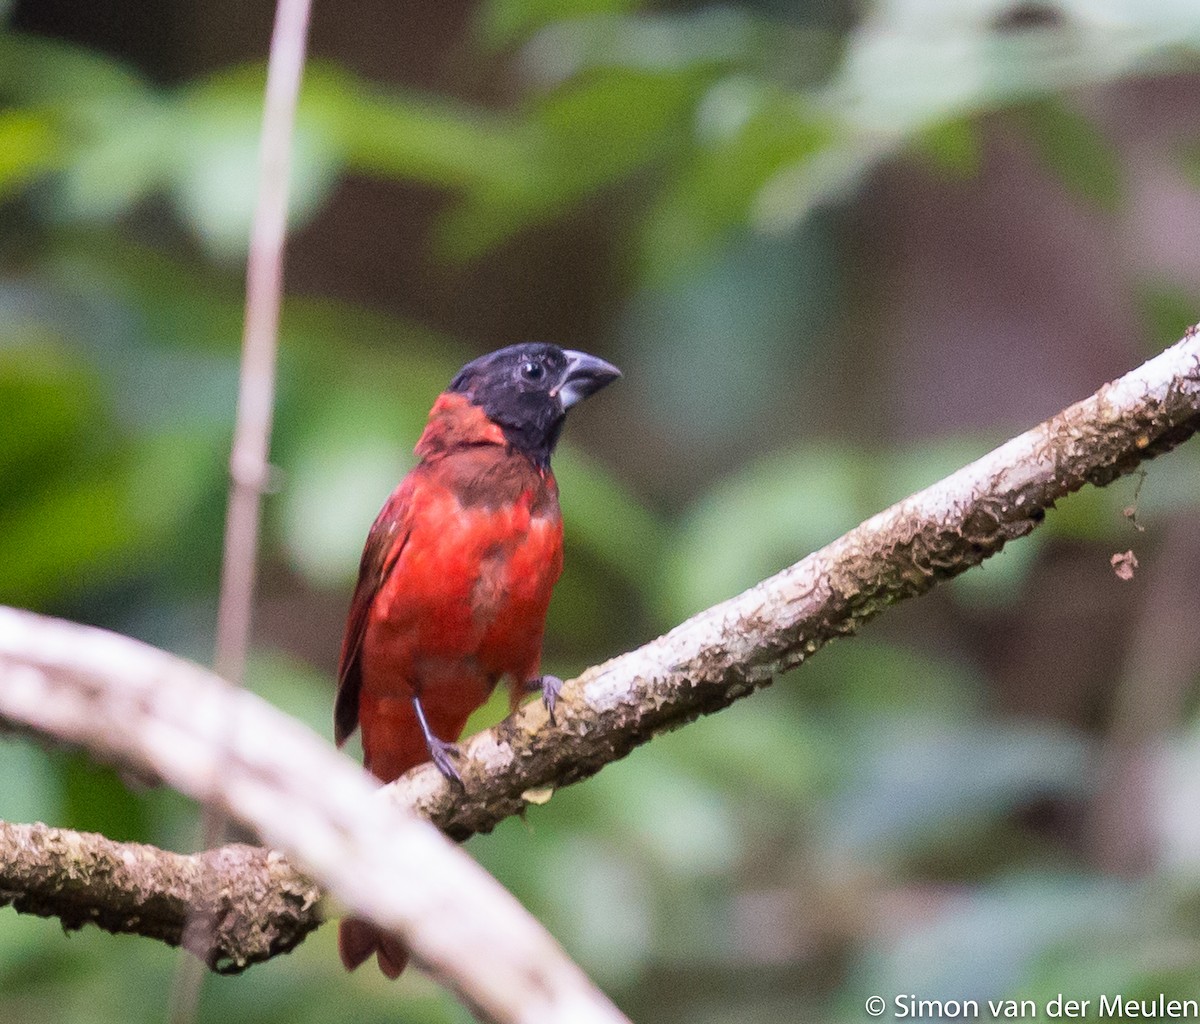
(440, 751)
(548, 686)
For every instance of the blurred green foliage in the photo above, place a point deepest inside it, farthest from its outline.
(866, 827)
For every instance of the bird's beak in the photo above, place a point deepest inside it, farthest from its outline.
(584, 376)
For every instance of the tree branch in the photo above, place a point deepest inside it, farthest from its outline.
(231, 906)
(173, 721)
(737, 646)
(146, 709)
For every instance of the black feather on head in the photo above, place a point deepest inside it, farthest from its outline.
(527, 389)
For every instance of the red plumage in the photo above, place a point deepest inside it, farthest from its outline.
(457, 573)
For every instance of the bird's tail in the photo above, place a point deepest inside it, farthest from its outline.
(357, 940)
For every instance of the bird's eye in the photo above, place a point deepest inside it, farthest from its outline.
(532, 371)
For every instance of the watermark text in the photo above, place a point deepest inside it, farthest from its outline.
(1105, 1006)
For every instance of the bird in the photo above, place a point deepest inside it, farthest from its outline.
(456, 576)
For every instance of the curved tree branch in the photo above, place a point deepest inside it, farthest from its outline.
(170, 720)
(149, 710)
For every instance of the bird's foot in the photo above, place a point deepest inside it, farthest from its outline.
(441, 752)
(549, 686)
(444, 755)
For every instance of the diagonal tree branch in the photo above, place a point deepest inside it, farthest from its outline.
(147, 709)
(731, 649)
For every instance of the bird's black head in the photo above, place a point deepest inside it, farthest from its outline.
(527, 390)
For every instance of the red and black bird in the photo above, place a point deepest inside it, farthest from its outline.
(456, 575)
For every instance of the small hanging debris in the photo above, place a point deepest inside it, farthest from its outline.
(1123, 564)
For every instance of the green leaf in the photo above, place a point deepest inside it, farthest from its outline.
(212, 171)
(43, 71)
(601, 515)
(607, 123)
(64, 513)
(953, 146)
(336, 487)
(850, 682)
(765, 747)
(36, 798)
(65, 537)
(1168, 310)
(113, 166)
(29, 146)
(110, 123)
(50, 400)
(96, 799)
(504, 23)
(912, 780)
(1075, 151)
(716, 37)
(401, 135)
(759, 520)
(349, 445)
(589, 134)
(748, 134)
(295, 688)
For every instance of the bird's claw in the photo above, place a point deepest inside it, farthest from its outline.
(443, 755)
(550, 686)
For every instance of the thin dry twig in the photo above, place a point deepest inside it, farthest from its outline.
(248, 463)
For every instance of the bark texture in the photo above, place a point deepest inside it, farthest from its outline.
(232, 906)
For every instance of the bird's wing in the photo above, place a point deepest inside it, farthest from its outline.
(389, 533)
